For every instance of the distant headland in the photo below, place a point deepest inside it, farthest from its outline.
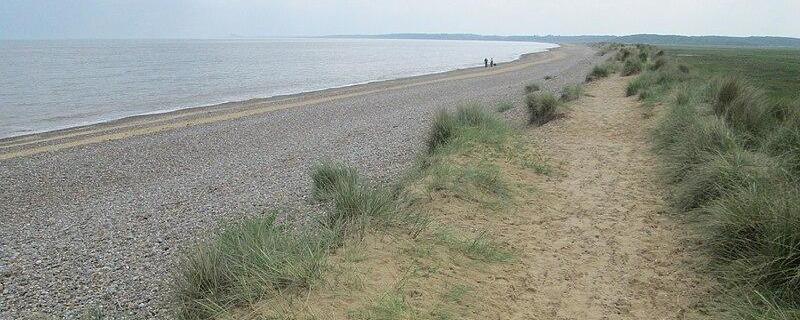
(655, 39)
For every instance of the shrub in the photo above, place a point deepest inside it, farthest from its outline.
(631, 67)
(246, 262)
(571, 93)
(541, 108)
(683, 68)
(743, 106)
(599, 71)
(531, 87)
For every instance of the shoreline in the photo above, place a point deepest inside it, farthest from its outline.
(101, 217)
(11, 141)
(36, 143)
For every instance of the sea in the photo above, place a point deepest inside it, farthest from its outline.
(48, 85)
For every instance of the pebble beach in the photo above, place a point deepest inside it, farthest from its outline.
(97, 216)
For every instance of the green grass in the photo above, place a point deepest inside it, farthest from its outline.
(477, 247)
(600, 71)
(460, 128)
(531, 88)
(631, 67)
(571, 92)
(729, 144)
(247, 262)
(773, 70)
(390, 306)
(542, 107)
(353, 199)
(504, 106)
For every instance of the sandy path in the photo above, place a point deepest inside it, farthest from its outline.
(601, 246)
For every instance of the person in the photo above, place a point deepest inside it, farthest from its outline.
(492, 62)
(485, 62)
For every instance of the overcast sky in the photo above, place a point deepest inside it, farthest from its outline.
(25, 19)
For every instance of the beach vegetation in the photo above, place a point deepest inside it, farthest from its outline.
(728, 151)
(541, 107)
(531, 88)
(504, 106)
(248, 261)
(631, 67)
(571, 92)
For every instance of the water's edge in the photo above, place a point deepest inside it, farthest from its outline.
(237, 103)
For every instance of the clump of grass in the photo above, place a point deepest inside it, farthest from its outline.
(504, 106)
(444, 127)
(623, 54)
(541, 107)
(466, 125)
(721, 173)
(247, 262)
(658, 64)
(599, 71)
(685, 138)
(327, 177)
(571, 93)
(631, 67)
(743, 106)
(757, 235)
(353, 199)
(391, 305)
(531, 88)
(477, 247)
(643, 56)
(784, 141)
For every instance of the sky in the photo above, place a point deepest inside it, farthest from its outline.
(80, 19)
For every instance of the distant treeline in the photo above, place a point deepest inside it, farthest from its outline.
(655, 39)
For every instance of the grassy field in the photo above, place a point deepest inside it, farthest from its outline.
(775, 70)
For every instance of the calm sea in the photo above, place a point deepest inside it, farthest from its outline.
(55, 84)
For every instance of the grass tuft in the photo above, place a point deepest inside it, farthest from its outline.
(743, 106)
(247, 262)
(504, 106)
(531, 88)
(599, 71)
(541, 107)
(571, 93)
(353, 199)
(631, 67)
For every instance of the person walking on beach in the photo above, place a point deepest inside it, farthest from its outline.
(492, 62)
(485, 62)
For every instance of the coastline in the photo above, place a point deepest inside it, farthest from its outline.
(100, 218)
(6, 142)
(35, 143)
